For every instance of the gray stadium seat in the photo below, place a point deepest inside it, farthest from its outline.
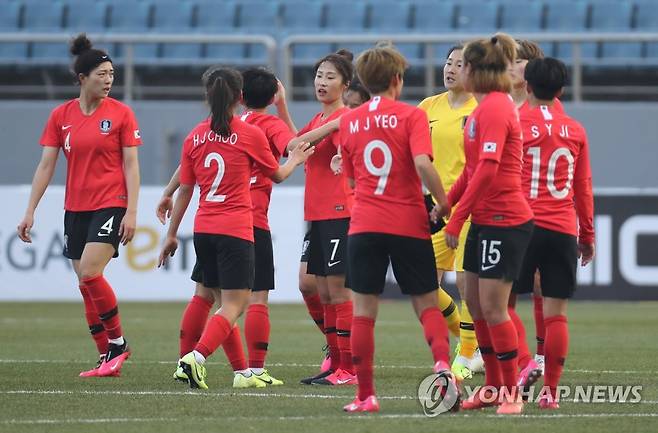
(477, 16)
(433, 17)
(521, 16)
(127, 16)
(258, 16)
(389, 16)
(45, 17)
(9, 22)
(175, 17)
(85, 16)
(615, 16)
(299, 16)
(217, 18)
(647, 21)
(346, 16)
(568, 16)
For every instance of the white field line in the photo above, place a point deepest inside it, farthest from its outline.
(242, 394)
(363, 417)
(289, 364)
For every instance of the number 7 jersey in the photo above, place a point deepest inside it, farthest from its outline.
(556, 170)
(380, 140)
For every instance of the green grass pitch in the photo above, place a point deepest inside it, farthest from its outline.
(43, 346)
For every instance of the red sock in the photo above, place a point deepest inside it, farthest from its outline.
(105, 302)
(330, 334)
(315, 309)
(95, 325)
(557, 346)
(192, 323)
(257, 334)
(524, 356)
(217, 330)
(493, 376)
(343, 329)
(506, 345)
(233, 349)
(363, 342)
(435, 329)
(538, 303)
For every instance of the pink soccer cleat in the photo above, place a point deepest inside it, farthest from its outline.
(94, 371)
(337, 378)
(114, 359)
(370, 404)
(547, 402)
(510, 408)
(529, 375)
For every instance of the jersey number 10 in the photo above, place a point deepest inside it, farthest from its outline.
(560, 152)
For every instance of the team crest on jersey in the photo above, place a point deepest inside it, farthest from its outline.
(471, 129)
(105, 125)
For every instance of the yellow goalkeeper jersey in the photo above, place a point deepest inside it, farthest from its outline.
(446, 128)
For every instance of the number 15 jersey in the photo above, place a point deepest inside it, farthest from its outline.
(380, 140)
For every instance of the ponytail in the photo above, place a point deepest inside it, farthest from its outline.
(223, 90)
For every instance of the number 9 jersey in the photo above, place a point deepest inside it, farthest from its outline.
(380, 140)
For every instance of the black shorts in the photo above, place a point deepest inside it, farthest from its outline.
(327, 248)
(264, 263)
(555, 255)
(100, 225)
(496, 252)
(223, 262)
(412, 260)
(307, 241)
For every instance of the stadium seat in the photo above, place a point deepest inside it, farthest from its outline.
(127, 16)
(647, 21)
(346, 16)
(10, 22)
(389, 16)
(433, 17)
(83, 16)
(45, 17)
(258, 16)
(217, 18)
(568, 17)
(521, 16)
(615, 16)
(301, 16)
(175, 17)
(477, 16)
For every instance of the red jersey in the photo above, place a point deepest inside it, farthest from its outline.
(555, 160)
(221, 166)
(93, 147)
(278, 135)
(326, 195)
(492, 132)
(380, 140)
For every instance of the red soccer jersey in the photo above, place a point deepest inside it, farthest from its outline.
(380, 140)
(556, 156)
(326, 195)
(93, 147)
(493, 132)
(221, 166)
(278, 135)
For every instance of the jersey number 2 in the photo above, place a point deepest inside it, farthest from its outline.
(221, 168)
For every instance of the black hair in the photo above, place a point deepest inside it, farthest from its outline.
(356, 86)
(453, 48)
(342, 61)
(259, 87)
(87, 57)
(223, 89)
(546, 77)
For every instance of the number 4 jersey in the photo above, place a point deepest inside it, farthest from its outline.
(221, 166)
(380, 140)
(557, 178)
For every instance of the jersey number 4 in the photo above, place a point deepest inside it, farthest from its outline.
(221, 169)
(384, 170)
(559, 194)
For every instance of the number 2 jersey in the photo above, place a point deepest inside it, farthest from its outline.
(557, 178)
(222, 166)
(380, 140)
(93, 146)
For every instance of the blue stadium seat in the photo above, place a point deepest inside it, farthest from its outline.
(127, 16)
(85, 16)
(389, 16)
(615, 16)
(568, 16)
(647, 21)
(477, 16)
(9, 22)
(301, 16)
(46, 17)
(258, 16)
(434, 17)
(176, 17)
(521, 16)
(346, 16)
(217, 18)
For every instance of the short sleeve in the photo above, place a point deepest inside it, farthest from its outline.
(493, 125)
(187, 176)
(130, 135)
(279, 136)
(51, 132)
(420, 141)
(259, 150)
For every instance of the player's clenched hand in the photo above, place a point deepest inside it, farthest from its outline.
(24, 228)
(163, 211)
(585, 253)
(336, 164)
(168, 250)
(280, 96)
(452, 241)
(301, 153)
(127, 227)
(439, 211)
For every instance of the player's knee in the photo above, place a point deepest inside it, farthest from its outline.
(494, 315)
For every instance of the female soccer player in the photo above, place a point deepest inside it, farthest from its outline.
(260, 88)
(489, 190)
(99, 137)
(386, 152)
(327, 203)
(556, 175)
(355, 95)
(218, 155)
(447, 114)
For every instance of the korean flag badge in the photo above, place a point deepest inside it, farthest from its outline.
(105, 125)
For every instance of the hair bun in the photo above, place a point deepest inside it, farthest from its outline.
(346, 53)
(494, 40)
(80, 44)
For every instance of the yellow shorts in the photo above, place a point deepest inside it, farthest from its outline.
(446, 258)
